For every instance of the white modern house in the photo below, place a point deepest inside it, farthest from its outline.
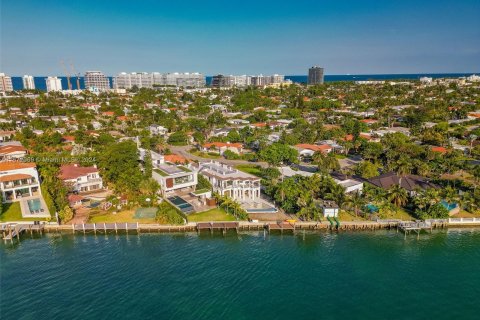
(81, 179)
(18, 180)
(231, 182)
(173, 178)
(157, 130)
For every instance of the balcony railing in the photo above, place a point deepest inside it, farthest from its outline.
(12, 185)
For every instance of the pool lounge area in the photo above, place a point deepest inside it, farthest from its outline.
(34, 207)
(258, 206)
(181, 204)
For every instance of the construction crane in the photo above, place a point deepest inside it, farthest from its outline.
(67, 74)
(77, 74)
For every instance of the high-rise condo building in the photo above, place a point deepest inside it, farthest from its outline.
(96, 80)
(315, 75)
(5, 83)
(155, 79)
(28, 82)
(53, 84)
(221, 81)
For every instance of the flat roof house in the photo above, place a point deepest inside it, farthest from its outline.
(18, 180)
(174, 178)
(81, 179)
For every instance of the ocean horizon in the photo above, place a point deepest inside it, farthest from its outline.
(41, 85)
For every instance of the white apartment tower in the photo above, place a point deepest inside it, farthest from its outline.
(96, 80)
(155, 79)
(5, 83)
(53, 84)
(28, 82)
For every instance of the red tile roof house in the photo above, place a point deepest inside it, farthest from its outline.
(68, 139)
(441, 150)
(221, 147)
(307, 150)
(11, 152)
(369, 121)
(18, 180)
(81, 179)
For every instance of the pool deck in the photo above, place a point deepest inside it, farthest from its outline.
(26, 210)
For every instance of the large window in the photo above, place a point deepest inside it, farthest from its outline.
(184, 179)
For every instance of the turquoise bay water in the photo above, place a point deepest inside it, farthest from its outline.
(368, 275)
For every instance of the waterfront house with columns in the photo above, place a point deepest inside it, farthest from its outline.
(231, 182)
(81, 179)
(18, 180)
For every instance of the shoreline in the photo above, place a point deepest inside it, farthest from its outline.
(10, 231)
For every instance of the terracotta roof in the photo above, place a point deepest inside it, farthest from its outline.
(260, 124)
(75, 198)
(366, 136)
(314, 147)
(369, 121)
(409, 182)
(108, 113)
(175, 158)
(13, 177)
(73, 171)
(439, 149)
(7, 166)
(68, 138)
(11, 148)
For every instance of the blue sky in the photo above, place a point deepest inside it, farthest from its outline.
(240, 37)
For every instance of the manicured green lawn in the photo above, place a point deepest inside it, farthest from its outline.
(400, 213)
(250, 168)
(466, 214)
(122, 216)
(12, 212)
(216, 214)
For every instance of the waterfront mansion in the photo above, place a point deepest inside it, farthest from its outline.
(81, 179)
(231, 182)
(18, 180)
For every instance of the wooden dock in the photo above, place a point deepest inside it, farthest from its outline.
(281, 226)
(105, 227)
(219, 226)
(414, 226)
(14, 230)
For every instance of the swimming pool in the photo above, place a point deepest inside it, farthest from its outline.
(449, 206)
(181, 204)
(34, 205)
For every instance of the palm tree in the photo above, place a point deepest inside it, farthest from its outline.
(404, 167)
(356, 201)
(337, 194)
(397, 195)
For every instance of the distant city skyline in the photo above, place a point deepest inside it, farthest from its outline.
(344, 37)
